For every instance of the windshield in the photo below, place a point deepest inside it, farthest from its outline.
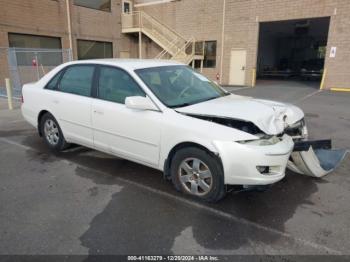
(178, 86)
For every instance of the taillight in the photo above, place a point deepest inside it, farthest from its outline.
(22, 100)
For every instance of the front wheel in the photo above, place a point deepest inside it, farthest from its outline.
(196, 172)
(52, 133)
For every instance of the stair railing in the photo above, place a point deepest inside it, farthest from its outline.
(159, 26)
(131, 20)
(172, 42)
(168, 37)
(164, 51)
(185, 53)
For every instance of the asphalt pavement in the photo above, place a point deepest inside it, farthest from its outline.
(85, 202)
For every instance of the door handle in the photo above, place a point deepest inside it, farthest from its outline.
(56, 101)
(98, 112)
(243, 68)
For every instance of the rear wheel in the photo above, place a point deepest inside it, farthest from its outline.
(52, 133)
(196, 172)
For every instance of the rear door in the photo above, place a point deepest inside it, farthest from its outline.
(130, 133)
(72, 103)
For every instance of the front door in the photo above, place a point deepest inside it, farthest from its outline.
(133, 134)
(238, 67)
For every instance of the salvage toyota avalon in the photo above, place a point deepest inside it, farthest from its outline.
(167, 116)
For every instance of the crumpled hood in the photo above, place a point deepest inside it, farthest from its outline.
(270, 116)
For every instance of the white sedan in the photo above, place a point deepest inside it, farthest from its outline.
(165, 115)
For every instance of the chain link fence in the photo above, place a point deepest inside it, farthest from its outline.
(27, 65)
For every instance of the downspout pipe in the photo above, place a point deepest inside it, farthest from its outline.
(69, 22)
(222, 40)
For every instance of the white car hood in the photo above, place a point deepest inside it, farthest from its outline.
(270, 116)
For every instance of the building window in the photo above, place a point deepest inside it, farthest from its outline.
(102, 5)
(126, 7)
(94, 49)
(209, 52)
(25, 57)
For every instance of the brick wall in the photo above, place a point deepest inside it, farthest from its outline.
(90, 24)
(243, 19)
(37, 17)
(49, 18)
(199, 18)
(339, 36)
(203, 20)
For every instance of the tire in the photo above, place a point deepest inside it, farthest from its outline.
(52, 133)
(197, 172)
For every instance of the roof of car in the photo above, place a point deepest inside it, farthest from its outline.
(130, 63)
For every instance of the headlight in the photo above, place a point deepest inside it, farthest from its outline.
(304, 131)
(262, 142)
(297, 130)
(298, 124)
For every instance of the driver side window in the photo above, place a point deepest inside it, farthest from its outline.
(115, 85)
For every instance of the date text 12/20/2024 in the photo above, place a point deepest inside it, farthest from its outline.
(173, 258)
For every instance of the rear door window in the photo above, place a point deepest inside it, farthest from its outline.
(77, 80)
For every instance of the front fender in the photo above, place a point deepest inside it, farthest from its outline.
(178, 128)
(170, 145)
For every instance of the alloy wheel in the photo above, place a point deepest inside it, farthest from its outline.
(195, 176)
(51, 131)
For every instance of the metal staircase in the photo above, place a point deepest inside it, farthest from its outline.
(174, 45)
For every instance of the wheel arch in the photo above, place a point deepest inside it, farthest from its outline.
(182, 145)
(40, 115)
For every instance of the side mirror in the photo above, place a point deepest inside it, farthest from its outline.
(140, 103)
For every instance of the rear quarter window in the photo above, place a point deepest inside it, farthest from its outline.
(53, 82)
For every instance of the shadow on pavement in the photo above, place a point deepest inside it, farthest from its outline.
(131, 216)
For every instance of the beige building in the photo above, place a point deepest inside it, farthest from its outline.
(231, 41)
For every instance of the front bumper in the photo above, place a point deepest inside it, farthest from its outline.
(240, 161)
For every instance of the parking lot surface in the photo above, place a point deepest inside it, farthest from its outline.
(85, 202)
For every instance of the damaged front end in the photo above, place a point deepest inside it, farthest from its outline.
(315, 158)
(311, 158)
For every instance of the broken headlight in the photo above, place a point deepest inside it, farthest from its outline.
(298, 130)
(264, 141)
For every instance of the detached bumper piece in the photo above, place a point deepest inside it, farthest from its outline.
(315, 158)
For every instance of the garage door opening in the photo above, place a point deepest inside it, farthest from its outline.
(293, 50)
